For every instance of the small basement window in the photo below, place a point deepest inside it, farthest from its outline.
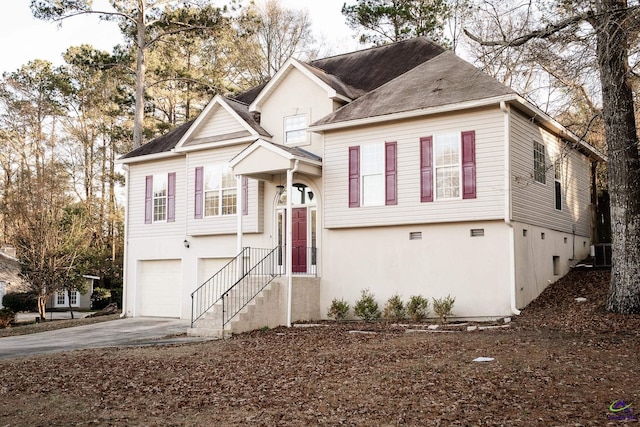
(556, 265)
(415, 235)
(477, 232)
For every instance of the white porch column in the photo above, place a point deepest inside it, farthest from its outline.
(289, 240)
(239, 208)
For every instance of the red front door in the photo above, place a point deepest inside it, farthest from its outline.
(299, 243)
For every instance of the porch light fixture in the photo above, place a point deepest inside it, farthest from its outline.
(186, 243)
(310, 194)
(280, 188)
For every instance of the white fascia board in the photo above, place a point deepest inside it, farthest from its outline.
(261, 143)
(282, 73)
(217, 100)
(411, 114)
(148, 157)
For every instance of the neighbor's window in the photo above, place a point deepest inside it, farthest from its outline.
(539, 163)
(558, 183)
(295, 129)
(372, 174)
(73, 299)
(220, 191)
(446, 160)
(160, 197)
(60, 298)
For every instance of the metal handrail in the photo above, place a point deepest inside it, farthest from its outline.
(245, 290)
(210, 292)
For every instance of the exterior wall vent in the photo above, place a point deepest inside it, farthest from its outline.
(524, 232)
(477, 232)
(415, 235)
(542, 236)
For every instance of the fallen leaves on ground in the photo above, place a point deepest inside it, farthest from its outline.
(562, 363)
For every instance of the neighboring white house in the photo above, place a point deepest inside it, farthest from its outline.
(60, 299)
(401, 169)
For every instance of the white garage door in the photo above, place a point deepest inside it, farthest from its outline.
(159, 288)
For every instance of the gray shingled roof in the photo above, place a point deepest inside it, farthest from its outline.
(445, 79)
(403, 76)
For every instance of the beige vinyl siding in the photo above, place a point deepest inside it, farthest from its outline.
(226, 224)
(296, 94)
(533, 202)
(137, 174)
(219, 122)
(488, 125)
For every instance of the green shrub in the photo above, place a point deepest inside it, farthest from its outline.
(339, 309)
(7, 317)
(366, 307)
(443, 307)
(116, 296)
(394, 309)
(418, 307)
(20, 301)
(100, 298)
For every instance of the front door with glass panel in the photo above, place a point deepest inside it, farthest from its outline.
(303, 229)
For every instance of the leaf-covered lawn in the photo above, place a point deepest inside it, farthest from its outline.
(549, 373)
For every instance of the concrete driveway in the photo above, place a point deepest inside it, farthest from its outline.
(128, 332)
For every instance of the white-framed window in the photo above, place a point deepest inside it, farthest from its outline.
(60, 298)
(447, 165)
(372, 174)
(73, 298)
(557, 167)
(295, 129)
(160, 185)
(220, 191)
(539, 163)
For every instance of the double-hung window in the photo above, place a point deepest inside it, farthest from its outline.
(539, 163)
(220, 190)
(160, 193)
(448, 166)
(446, 160)
(557, 166)
(373, 174)
(295, 129)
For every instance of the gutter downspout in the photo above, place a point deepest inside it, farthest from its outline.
(239, 210)
(508, 207)
(125, 263)
(289, 241)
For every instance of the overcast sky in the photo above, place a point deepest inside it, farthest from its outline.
(24, 38)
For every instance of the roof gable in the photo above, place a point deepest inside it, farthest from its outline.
(221, 120)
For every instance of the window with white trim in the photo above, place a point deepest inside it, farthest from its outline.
(160, 197)
(557, 166)
(295, 129)
(372, 174)
(220, 191)
(73, 298)
(60, 299)
(446, 161)
(539, 163)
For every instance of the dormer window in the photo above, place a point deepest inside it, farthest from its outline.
(295, 129)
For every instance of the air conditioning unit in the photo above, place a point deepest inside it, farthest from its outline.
(601, 255)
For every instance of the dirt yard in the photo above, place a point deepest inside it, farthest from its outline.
(561, 363)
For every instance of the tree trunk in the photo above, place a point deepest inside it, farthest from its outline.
(69, 298)
(141, 69)
(622, 152)
(42, 306)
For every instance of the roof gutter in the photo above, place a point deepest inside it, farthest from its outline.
(146, 158)
(508, 209)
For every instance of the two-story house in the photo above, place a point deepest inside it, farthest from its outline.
(401, 169)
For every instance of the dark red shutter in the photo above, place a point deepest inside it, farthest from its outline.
(245, 195)
(197, 207)
(354, 177)
(148, 200)
(391, 173)
(469, 165)
(171, 197)
(426, 169)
